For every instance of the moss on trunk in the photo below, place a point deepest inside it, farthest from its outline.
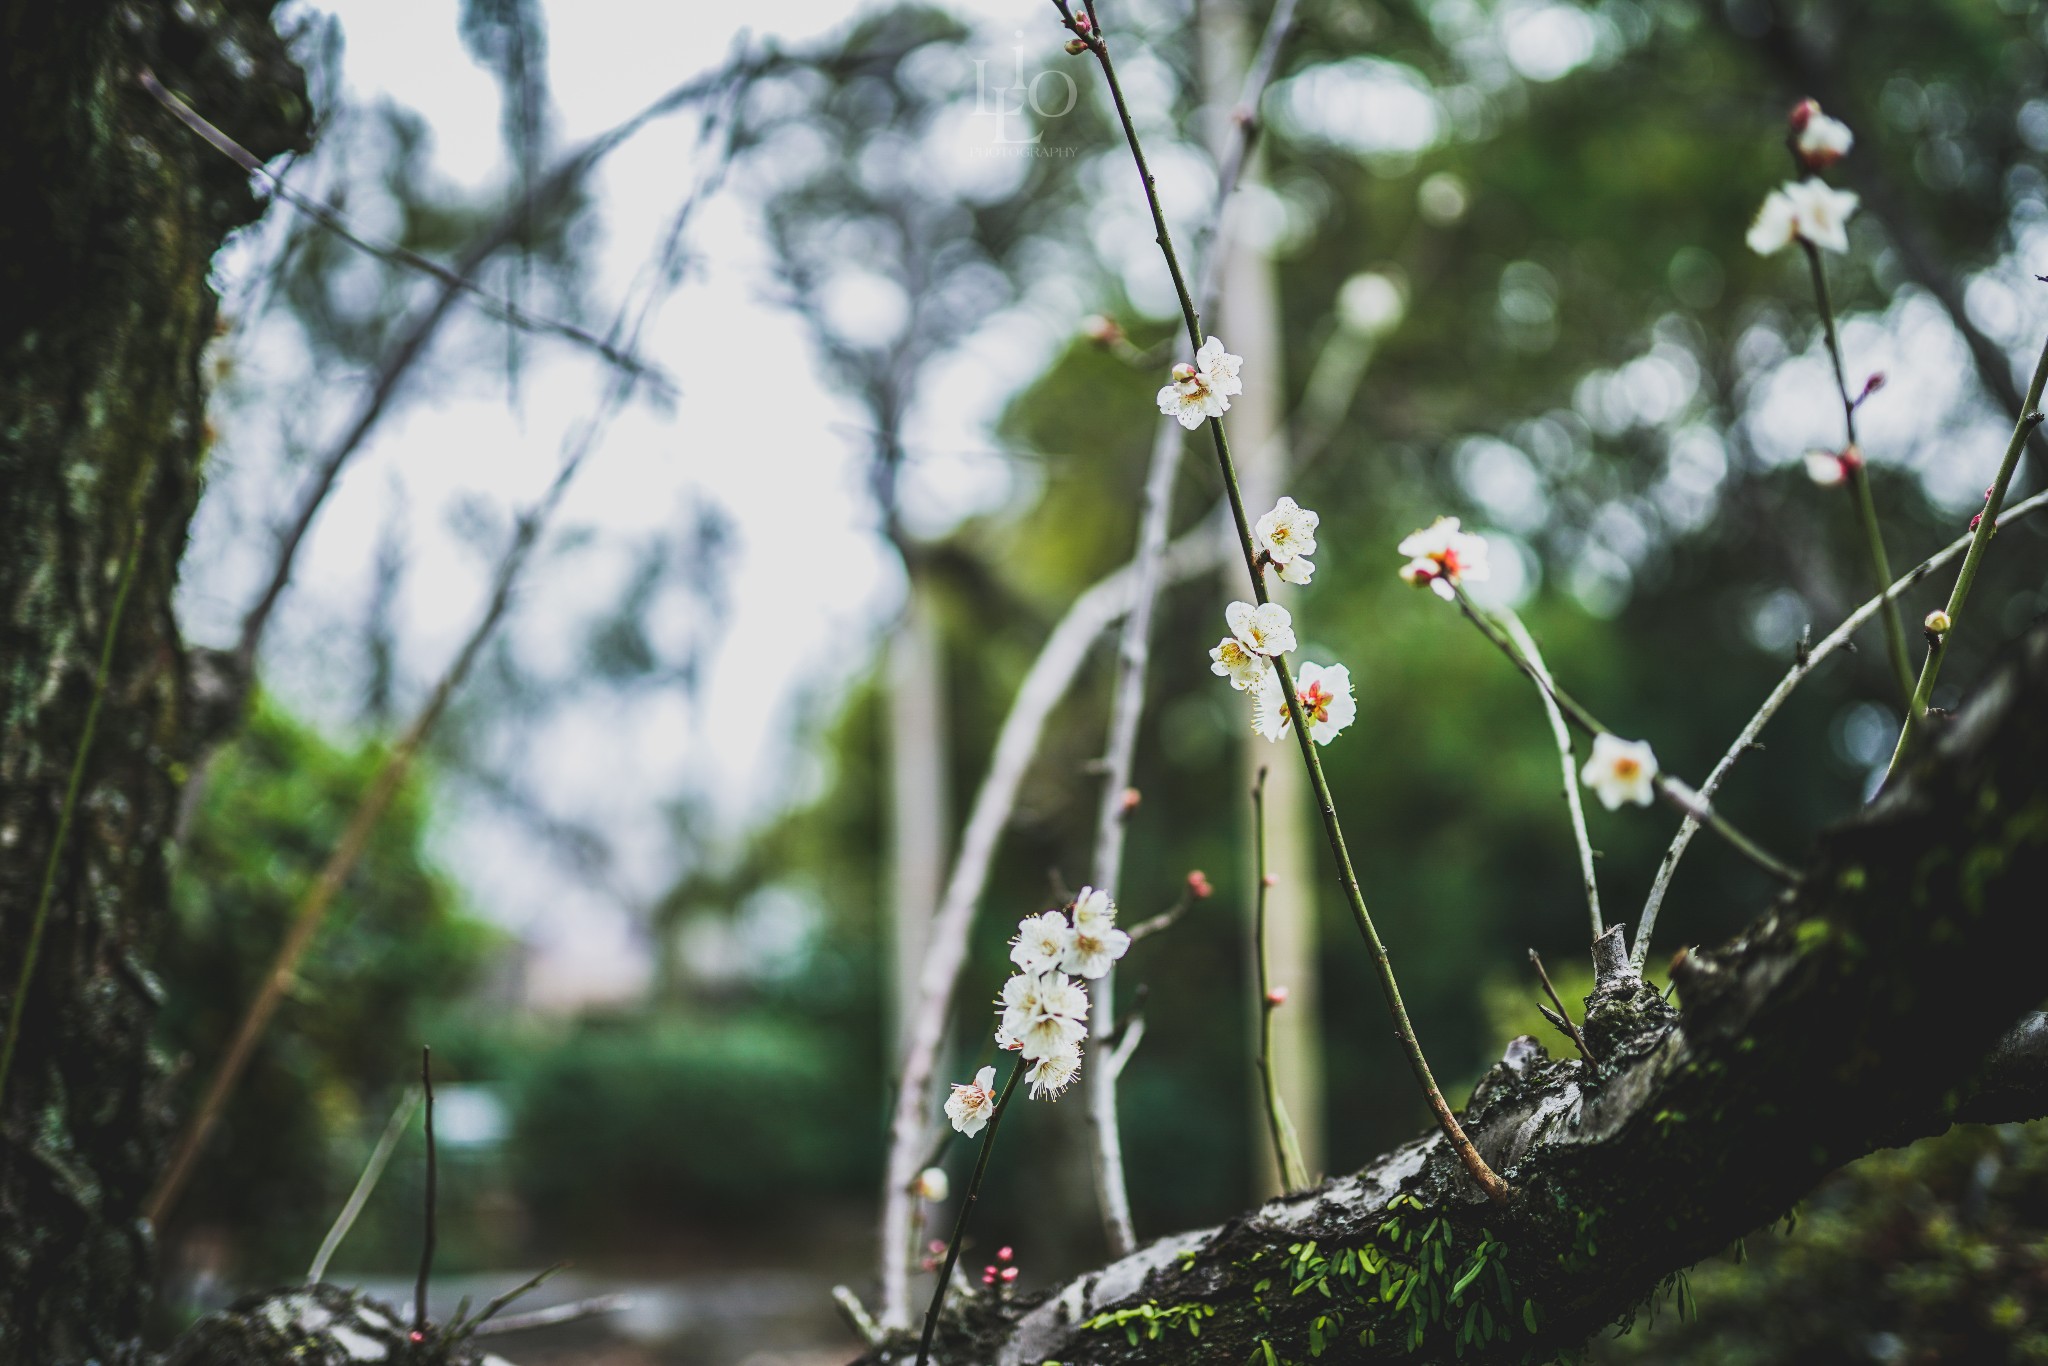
(109, 221)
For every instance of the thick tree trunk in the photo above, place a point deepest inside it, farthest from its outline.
(1878, 1003)
(110, 219)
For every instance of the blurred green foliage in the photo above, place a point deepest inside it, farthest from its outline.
(632, 1127)
(395, 951)
(1934, 1253)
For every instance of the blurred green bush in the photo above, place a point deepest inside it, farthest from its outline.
(659, 1120)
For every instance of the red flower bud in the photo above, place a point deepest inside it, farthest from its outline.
(1198, 885)
(1802, 114)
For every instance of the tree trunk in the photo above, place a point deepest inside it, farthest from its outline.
(111, 218)
(1248, 320)
(1881, 1001)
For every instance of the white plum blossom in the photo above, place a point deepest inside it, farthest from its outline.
(1189, 400)
(932, 1183)
(1326, 701)
(1819, 140)
(973, 1104)
(1440, 555)
(1239, 662)
(1053, 1073)
(1811, 210)
(1620, 771)
(1044, 1014)
(1267, 629)
(1298, 570)
(1219, 368)
(1202, 390)
(1287, 531)
(1041, 942)
(1097, 943)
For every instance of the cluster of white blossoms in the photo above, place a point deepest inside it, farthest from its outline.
(1442, 556)
(1808, 210)
(1043, 1009)
(1202, 390)
(1261, 632)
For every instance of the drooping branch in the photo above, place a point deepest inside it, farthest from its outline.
(1862, 1010)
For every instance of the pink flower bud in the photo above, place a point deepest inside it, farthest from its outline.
(1184, 373)
(1277, 996)
(1974, 521)
(1270, 880)
(1009, 1274)
(1076, 46)
(1198, 885)
(1100, 330)
(1802, 114)
(1004, 1254)
(1131, 798)
(1082, 22)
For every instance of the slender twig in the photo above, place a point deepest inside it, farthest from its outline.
(16, 1008)
(1810, 660)
(1966, 577)
(1127, 693)
(988, 1143)
(1564, 1016)
(573, 1312)
(1859, 475)
(1673, 790)
(373, 1172)
(327, 218)
(1404, 1029)
(312, 908)
(461, 1327)
(856, 1315)
(431, 1234)
(1526, 643)
(1165, 920)
(1279, 1125)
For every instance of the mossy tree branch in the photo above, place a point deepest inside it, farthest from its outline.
(1867, 1007)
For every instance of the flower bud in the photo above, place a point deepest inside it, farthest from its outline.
(1198, 885)
(1802, 114)
(1937, 623)
(1130, 800)
(1277, 996)
(1184, 373)
(1270, 880)
(1009, 1274)
(1100, 330)
(1076, 46)
(933, 1185)
(1005, 1253)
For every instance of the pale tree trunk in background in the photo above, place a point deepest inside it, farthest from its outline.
(919, 813)
(1248, 320)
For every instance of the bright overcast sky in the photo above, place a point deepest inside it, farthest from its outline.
(758, 433)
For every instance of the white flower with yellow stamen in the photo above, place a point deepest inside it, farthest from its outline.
(1621, 771)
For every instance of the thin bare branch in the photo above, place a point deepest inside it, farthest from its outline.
(1127, 693)
(1811, 660)
(326, 217)
(1526, 643)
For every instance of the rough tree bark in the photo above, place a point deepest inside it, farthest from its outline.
(1884, 999)
(108, 226)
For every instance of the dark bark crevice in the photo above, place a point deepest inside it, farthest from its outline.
(1873, 1005)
